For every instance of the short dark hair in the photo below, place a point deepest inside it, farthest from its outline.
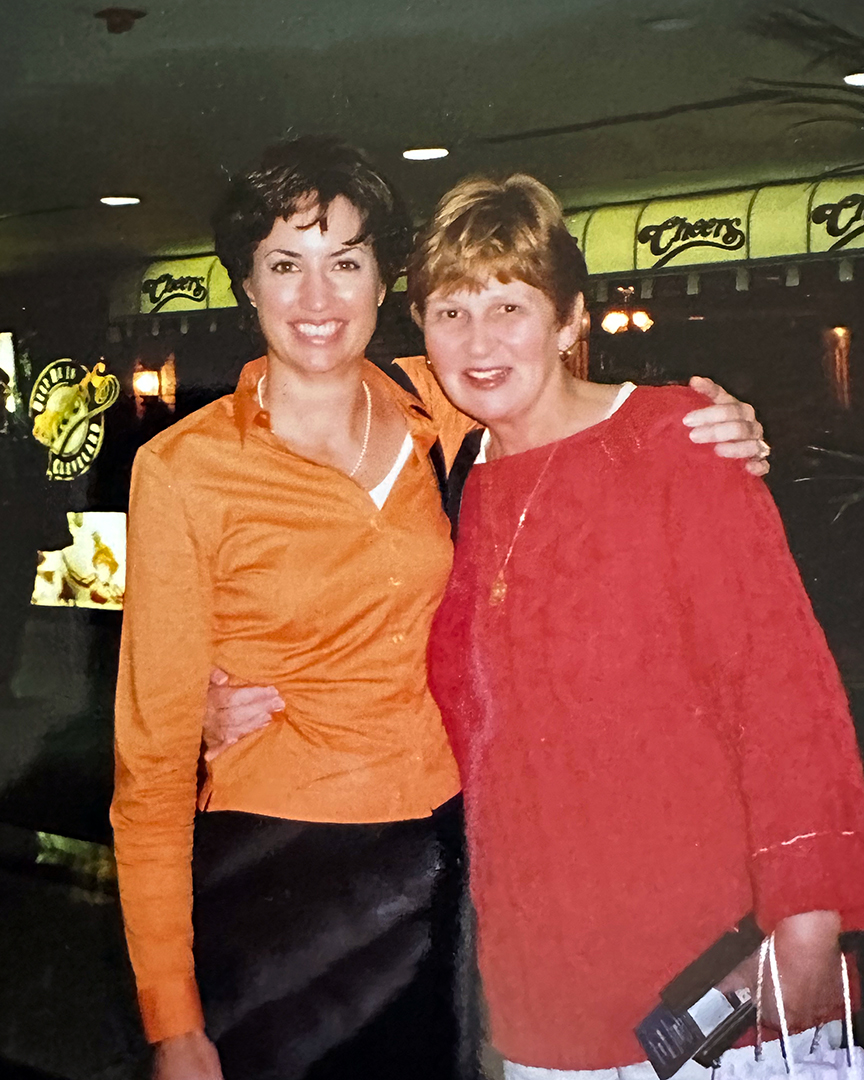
(321, 167)
(510, 228)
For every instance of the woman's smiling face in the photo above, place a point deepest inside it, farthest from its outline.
(496, 350)
(317, 295)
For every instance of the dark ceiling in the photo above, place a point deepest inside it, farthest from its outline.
(661, 93)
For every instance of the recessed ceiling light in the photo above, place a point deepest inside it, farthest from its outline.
(855, 79)
(427, 153)
(120, 200)
(670, 25)
(119, 20)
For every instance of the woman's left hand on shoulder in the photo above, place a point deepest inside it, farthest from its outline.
(730, 424)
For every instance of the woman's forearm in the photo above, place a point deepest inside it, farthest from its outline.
(808, 959)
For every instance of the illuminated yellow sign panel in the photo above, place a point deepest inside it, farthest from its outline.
(185, 285)
(91, 571)
(67, 404)
(701, 229)
(778, 220)
(774, 221)
(837, 215)
(577, 224)
(609, 238)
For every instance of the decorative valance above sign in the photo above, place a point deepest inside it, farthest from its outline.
(777, 221)
(771, 222)
(185, 285)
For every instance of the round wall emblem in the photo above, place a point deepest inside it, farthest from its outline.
(67, 404)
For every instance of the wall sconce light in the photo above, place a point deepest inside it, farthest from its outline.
(155, 383)
(625, 316)
(641, 320)
(613, 322)
(838, 342)
(145, 383)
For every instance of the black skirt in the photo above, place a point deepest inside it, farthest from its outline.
(329, 951)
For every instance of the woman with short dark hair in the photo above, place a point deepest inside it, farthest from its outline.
(284, 178)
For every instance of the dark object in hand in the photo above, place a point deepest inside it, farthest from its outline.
(694, 1019)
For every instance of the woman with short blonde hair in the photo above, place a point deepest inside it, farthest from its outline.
(651, 732)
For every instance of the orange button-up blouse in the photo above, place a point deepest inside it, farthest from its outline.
(246, 556)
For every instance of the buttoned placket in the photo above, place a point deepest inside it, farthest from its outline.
(360, 497)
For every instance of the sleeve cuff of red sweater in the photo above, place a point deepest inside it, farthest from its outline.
(813, 872)
(173, 1008)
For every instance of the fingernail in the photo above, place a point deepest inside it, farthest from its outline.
(280, 703)
(690, 419)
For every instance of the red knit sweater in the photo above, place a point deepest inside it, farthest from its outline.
(652, 734)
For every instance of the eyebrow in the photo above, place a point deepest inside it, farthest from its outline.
(297, 255)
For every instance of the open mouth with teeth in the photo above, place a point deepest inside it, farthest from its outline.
(318, 331)
(486, 378)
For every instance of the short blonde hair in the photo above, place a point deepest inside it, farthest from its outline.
(508, 229)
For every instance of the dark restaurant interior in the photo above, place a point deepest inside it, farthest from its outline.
(635, 113)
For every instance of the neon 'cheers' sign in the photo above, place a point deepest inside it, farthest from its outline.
(677, 234)
(840, 219)
(165, 288)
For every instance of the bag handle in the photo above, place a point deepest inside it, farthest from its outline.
(767, 949)
(847, 1008)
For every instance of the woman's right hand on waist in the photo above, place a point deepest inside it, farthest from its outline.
(235, 711)
(187, 1057)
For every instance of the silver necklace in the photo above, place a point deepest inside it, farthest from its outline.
(365, 446)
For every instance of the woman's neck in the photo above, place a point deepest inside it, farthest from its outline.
(313, 408)
(567, 406)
